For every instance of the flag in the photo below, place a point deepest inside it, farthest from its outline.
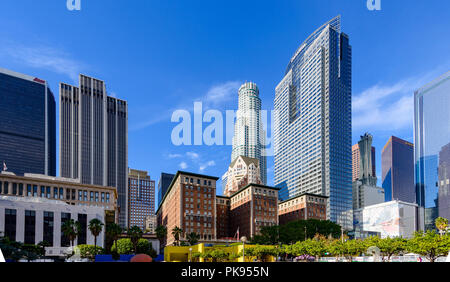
(5, 168)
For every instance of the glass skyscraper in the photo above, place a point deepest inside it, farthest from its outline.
(163, 185)
(28, 124)
(432, 156)
(397, 165)
(313, 124)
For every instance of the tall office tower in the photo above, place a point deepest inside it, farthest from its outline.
(356, 165)
(94, 138)
(397, 165)
(141, 198)
(365, 190)
(432, 138)
(313, 124)
(366, 163)
(249, 135)
(163, 185)
(28, 124)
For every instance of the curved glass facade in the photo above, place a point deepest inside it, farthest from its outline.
(313, 122)
(432, 149)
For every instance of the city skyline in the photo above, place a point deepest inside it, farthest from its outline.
(396, 85)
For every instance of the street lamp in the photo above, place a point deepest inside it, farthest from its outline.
(190, 254)
(243, 239)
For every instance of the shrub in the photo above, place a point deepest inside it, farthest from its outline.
(89, 251)
(125, 247)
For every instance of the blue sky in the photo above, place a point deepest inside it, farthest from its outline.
(164, 55)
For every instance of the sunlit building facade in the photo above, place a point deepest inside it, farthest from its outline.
(249, 135)
(432, 142)
(312, 130)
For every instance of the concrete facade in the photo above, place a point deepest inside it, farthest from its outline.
(39, 206)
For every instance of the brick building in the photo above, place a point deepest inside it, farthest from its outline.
(303, 207)
(223, 217)
(189, 204)
(252, 208)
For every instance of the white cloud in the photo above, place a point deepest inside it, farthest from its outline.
(183, 165)
(44, 57)
(174, 156)
(221, 93)
(215, 97)
(192, 155)
(387, 107)
(203, 167)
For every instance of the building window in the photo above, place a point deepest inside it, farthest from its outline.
(48, 227)
(29, 192)
(5, 188)
(30, 227)
(10, 224)
(82, 219)
(65, 242)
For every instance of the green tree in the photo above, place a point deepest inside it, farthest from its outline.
(113, 231)
(441, 224)
(135, 233)
(430, 245)
(161, 233)
(388, 246)
(71, 229)
(353, 248)
(96, 227)
(176, 233)
(193, 238)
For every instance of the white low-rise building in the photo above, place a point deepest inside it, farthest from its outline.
(33, 220)
(390, 219)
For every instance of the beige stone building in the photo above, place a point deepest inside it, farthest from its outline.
(241, 172)
(67, 190)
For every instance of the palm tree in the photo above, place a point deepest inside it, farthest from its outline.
(176, 232)
(193, 238)
(71, 230)
(96, 227)
(161, 233)
(113, 231)
(441, 224)
(135, 233)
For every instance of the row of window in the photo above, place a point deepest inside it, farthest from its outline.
(48, 227)
(191, 180)
(17, 189)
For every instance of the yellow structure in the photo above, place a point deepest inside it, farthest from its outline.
(186, 254)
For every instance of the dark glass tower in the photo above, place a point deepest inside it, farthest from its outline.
(397, 165)
(28, 124)
(432, 156)
(163, 185)
(313, 122)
